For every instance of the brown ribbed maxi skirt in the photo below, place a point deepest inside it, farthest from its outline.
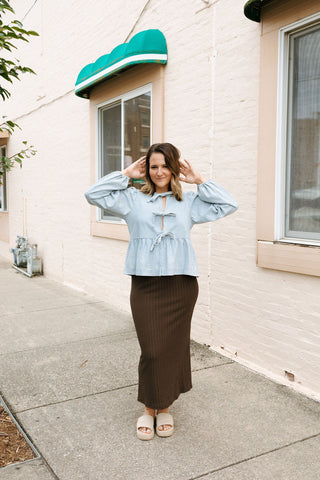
(162, 309)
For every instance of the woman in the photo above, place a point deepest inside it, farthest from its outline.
(163, 269)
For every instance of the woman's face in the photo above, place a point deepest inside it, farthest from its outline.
(159, 173)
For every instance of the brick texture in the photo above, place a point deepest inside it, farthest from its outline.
(265, 319)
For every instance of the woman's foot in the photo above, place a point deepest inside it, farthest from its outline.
(152, 413)
(164, 423)
(165, 426)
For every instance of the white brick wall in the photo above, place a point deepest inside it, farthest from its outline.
(211, 113)
(265, 319)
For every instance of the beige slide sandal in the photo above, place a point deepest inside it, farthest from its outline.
(164, 419)
(146, 421)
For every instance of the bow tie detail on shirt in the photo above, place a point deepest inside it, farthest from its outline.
(165, 214)
(159, 237)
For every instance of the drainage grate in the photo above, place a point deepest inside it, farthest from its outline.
(7, 456)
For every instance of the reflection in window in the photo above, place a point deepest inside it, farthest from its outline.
(137, 126)
(111, 139)
(124, 134)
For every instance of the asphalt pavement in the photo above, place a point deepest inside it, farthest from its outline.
(68, 372)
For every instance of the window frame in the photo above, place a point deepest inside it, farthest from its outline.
(283, 111)
(99, 109)
(127, 81)
(273, 251)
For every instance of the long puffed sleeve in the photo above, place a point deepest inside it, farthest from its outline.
(211, 202)
(111, 193)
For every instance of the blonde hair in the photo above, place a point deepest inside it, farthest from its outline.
(171, 155)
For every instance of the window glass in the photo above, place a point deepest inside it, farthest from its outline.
(111, 139)
(137, 127)
(3, 186)
(125, 135)
(302, 215)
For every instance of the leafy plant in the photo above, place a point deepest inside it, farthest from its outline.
(10, 70)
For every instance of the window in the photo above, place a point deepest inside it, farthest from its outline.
(302, 182)
(126, 116)
(3, 185)
(124, 133)
(288, 182)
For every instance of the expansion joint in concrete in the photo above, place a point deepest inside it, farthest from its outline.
(54, 475)
(239, 462)
(212, 366)
(51, 308)
(75, 398)
(126, 333)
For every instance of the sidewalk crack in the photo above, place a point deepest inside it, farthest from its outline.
(239, 462)
(212, 366)
(17, 412)
(125, 333)
(49, 308)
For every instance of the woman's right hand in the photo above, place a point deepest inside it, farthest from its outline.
(137, 169)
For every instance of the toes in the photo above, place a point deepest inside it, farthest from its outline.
(145, 429)
(164, 427)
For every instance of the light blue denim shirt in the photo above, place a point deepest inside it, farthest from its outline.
(152, 250)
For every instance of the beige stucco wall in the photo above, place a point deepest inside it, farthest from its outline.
(263, 318)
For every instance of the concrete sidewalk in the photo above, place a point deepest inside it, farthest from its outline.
(68, 371)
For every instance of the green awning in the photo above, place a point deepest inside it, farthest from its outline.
(148, 46)
(252, 9)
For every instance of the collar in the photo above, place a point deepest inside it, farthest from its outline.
(157, 195)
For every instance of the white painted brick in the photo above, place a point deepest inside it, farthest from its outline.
(270, 318)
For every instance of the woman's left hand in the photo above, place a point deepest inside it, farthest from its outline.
(189, 174)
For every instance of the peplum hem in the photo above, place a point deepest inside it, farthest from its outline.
(161, 258)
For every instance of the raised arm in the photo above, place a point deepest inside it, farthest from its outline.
(212, 201)
(111, 193)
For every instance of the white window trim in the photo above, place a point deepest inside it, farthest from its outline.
(281, 130)
(122, 98)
